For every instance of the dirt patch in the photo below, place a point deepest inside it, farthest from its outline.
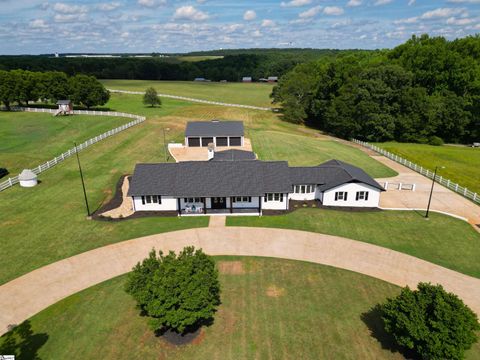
(227, 319)
(275, 291)
(231, 267)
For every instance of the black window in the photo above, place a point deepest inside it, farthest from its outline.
(265, 198)
(206, 141)
(149, 199)
(235, 141)
(270, 197)
(362, 195)
(194, 141)
(143, 200)
(341, 195)
(281, 197)
(222, 141)
(297, 189)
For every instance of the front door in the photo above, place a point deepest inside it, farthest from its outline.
(219, 203)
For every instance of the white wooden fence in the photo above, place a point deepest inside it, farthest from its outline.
(195, 100)
(420, 169)
(45, 166)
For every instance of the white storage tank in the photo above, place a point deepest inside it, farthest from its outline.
(27, 178)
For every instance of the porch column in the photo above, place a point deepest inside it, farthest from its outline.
(179, 206)
(204, 205)
(231, 205)
(260, 205)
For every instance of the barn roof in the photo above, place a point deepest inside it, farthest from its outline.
(214, 128)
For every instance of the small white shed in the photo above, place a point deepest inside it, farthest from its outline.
(27, 178)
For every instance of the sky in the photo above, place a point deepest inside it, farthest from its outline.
(145, 26)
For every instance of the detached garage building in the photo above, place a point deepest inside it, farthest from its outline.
(220, 133)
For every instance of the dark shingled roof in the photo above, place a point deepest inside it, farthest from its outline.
(233, 155)
(331, 174)
(214, 128)
(241, 177)
(210, 178)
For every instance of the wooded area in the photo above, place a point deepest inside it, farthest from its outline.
(23, 86)
(235, 64)
(426, 90)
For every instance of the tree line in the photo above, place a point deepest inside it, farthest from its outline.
(426, 90)
(22, 87)
(255, 63)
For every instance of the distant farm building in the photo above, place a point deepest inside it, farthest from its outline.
(247, 79)
(272, 79)
(65, 107)
(200, 79)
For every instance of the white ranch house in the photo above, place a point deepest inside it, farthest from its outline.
(248, 186)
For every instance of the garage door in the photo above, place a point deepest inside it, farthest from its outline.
(235, 141)
(206, 141)
(194, 141)
(222, 141)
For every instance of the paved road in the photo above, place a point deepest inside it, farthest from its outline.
(443, 199)
(25, 296)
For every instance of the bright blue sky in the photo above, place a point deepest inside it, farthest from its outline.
(39, 26)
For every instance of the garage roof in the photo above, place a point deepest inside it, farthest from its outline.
(214, 128)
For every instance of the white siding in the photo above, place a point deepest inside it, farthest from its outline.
(303, 197)
(242, 204)
(275, 205)
(168, 204)
(351, 189)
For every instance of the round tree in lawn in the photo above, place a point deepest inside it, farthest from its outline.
(430, 321)
(151, 97)
(179, 293)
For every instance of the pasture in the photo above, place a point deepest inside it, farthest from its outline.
(462, 163)
(256, 94)
(29, 139)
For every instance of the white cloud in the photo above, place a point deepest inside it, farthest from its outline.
(151, 3)
(69, 9)
(412, 2)
(108, 6)
(190, 13)
(464, 1)
(442, 12)
(310, 12)
(38, 24)
(333, 10)
(459, 22)
(69, 18)
(382, 2)
(268, 23)
(353, 3)
(249, 15)
(295, 3)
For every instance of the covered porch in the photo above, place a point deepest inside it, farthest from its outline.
(227, 205)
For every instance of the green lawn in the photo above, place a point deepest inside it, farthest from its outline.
(255, 94)
(47, 223)
(191, 58)
(30, 139)
(442, 240)
(316, 315)
(300, 150)
(462, 164)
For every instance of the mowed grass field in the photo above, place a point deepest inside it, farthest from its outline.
(462, 164)
(256, 94)
(30, 139)
(272, 309)
(442, 240)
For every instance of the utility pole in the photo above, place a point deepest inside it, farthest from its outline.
(83, 182)
(431, 189)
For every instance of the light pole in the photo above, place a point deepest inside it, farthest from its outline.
(431, 189)
(83, 182)
(165, 143)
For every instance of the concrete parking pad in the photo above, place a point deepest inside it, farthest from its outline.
(27, 295)
(186, 153)
(443, 199)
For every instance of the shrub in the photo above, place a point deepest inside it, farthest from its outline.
(433, 323)
(178, 293)
(435, 141)
(3, 172)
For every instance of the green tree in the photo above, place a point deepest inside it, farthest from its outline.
(151, 97)
(88, 91)
(430, 321)
(177, 292)
(7, 88)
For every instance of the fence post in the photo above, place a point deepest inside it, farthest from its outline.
(464, 191)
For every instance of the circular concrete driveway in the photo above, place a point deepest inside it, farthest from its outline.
(25, 296)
